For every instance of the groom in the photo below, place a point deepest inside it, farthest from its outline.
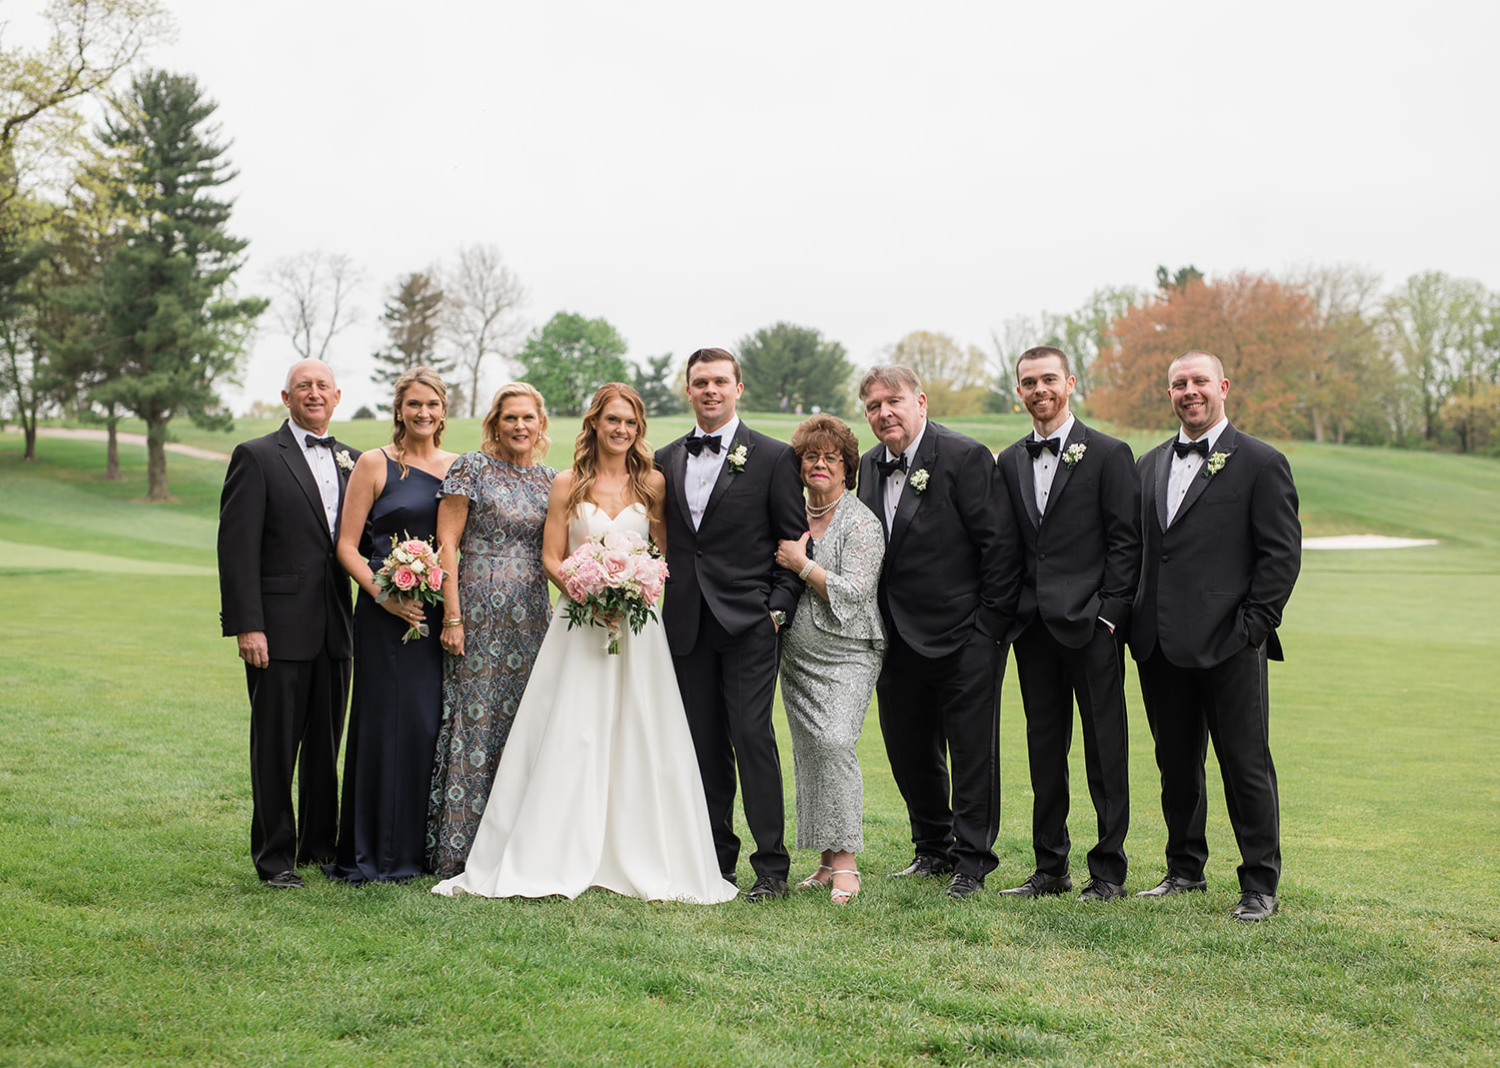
(285, 600)
(732, 494)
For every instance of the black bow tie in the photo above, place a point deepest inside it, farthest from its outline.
(1035, 447)
(1182, 448)
(315, 443)
(889, 467)
(698, 442)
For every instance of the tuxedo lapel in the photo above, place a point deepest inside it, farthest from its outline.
(1163, 474)
(1200, 482)
(296, 463)
(676, 474)
(1026, 475)
(1065, 469)
(910, 500)
(727, 473)
(871, 490)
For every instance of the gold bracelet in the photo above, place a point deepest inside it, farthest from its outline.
(453, 622)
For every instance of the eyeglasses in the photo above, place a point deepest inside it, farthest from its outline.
(830, 459)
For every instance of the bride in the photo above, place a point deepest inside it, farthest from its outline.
(599, 784)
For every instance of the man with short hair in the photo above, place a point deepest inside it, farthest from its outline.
(1081, 545)
(286, 601)
(1222, 549)
(947, 595)
(732, 495)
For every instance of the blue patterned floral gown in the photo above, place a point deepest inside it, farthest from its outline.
(506, 610)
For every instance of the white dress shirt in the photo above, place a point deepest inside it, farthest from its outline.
(325, 471)
(895, 482)
(1044, 467)
(1184, 468)
(703, 469)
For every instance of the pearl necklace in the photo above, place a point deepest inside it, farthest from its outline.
(819, 513)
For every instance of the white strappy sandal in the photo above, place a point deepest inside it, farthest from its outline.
(839, 896)
(812, 882)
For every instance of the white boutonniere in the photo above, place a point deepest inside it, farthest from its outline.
(1074, 453)
(737, 458)
(918, 480)
(345, 460)
(1215, 464)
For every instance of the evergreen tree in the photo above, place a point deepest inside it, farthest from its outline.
(571, 357)
(174, 328)
(411, 320)
(658, 392)
(23, 371)
(795, 363)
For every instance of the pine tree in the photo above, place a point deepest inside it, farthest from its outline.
(411, 320)
(174, 327)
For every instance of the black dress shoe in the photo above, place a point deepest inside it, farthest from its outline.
(923, 864)
(1041, 885)
(1101, 890)
(732, 878)
(1174, 884)
(766, 888)
(1254, 906)
(963, 886)
(285, 880)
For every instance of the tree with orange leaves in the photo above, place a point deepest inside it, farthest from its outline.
(1266, 333)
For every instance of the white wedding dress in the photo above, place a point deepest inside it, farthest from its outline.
(599, 782)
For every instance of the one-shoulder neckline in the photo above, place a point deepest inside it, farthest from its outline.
(411, 467)
(617, 515)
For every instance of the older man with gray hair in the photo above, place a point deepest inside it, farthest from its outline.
(947, 596)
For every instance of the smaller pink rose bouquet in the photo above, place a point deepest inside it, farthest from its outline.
(613, 579)
(411, 569)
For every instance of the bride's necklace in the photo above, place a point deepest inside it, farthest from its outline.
(819, 513)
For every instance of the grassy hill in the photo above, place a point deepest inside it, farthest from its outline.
(132, 929)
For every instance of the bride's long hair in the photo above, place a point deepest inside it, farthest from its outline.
(637, 460)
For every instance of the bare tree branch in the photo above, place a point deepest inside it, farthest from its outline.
(312, 304)
(481, 295)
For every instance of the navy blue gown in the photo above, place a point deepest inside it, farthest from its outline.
(396, 709)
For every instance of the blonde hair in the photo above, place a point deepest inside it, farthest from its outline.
(637, 460)
(417, 376)
(490, 428)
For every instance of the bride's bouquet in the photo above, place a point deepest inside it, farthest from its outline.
(613, 579)
(411, 569)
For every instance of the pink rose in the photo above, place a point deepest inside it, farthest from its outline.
(404, 578)
(575, 590)
(616, 564)
(435, 578)
(418, 549)
(618, 541)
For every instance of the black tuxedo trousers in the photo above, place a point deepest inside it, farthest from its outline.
(1052, 675)
(1230, 704)
(937, 711)
(728, 684)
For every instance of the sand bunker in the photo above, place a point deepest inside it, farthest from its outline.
(1364, 541)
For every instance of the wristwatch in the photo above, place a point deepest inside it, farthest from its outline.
(779, 618)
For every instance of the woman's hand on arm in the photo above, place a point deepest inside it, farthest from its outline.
(453, 515)
(793, 556)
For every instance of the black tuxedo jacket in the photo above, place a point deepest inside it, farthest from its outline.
(1082, 557)
(1218, 577)
(952, 555)
(277, 571)
(729, 562)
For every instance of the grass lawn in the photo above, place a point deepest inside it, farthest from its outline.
(133, 930)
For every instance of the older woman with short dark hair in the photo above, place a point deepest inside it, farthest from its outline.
(831, 654)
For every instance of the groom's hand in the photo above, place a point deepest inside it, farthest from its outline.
(253, 648)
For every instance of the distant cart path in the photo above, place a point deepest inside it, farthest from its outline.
(87, 434)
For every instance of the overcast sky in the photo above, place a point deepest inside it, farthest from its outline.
(692, 171)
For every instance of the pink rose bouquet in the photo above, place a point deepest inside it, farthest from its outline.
(611, 580)
(411, 569)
